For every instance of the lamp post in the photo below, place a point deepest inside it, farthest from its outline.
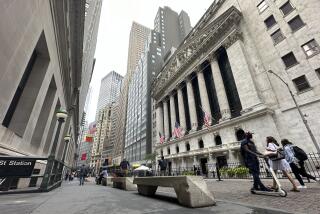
(61, 116)
(67, 139)
(305, 122)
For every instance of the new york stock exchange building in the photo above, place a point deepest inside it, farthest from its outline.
(233, 66)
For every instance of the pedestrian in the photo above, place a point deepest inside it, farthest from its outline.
(297, 166)
(281, 164)
(124, 167)
(71, 175)
(250, 156)
(163, 166)
(82, 174)
(66, 176)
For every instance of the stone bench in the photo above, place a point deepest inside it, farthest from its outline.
(125, 183)
(192, 191)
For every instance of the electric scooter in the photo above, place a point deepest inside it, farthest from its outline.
(278, 192)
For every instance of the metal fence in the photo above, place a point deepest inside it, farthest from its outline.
(237, 170)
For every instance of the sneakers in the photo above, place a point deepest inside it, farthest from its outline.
(302, 187)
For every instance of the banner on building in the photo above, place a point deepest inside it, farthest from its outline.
(88, 138)
(84, 156)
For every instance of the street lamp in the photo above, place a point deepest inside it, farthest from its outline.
(61, 116)
(305, 122)
(67, 139)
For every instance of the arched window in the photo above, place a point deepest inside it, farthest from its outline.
(240, 134)
(177, 149)
(168, 150)
(200, 143)
(218, 140)
(187, 146)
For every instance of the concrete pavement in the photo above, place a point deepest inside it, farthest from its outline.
(90, 198)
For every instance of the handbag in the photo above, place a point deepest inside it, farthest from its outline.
(278, 155)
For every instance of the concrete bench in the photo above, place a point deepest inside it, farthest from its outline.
(192, 191)
(125, 183)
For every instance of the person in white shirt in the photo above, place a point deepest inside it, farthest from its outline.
(282, 164)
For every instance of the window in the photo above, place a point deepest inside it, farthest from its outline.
(318, 72)
(289, 60)
(296, 23)
(277, 36)
(188, 147)
(200, 144)
(311, 48)
(270, 21)
(301, 83)
(262, 6)
(168, 151)
(286, 8)
(177, 149)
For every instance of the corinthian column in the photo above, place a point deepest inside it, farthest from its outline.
(166, 119)
(203, 92)
(182, 115)
(219, 87)
(172, 111)
(242, 72)
(192, 105)
(159, 117)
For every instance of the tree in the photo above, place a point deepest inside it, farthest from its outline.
(151, 157)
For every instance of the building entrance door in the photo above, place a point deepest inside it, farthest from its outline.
(222, 161)
(203, 162)
(169, 168)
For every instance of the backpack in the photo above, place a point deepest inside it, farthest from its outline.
(299, 153)
(163, 164)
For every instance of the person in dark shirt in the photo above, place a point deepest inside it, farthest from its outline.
(250, 156)
(163, 166)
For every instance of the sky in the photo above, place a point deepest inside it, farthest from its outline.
(114, 29)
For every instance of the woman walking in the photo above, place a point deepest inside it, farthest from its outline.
(292, 160)
(282, 164)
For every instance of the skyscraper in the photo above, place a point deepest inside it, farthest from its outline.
(91, 25)
(138, 37)
(169, 32)
(173, 28)
(109, 90)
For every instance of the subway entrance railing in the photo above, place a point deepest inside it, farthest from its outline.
(29, 174)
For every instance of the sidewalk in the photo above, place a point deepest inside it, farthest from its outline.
(305, 201)
(94, 199)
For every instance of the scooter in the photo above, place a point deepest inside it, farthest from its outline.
(278, 192)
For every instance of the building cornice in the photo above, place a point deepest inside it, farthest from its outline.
(223, 31)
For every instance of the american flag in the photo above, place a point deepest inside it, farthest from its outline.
(177, 131)
(161, 138)
(206, 118)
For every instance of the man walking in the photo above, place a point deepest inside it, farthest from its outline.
(82, 174)
(163, 166)
(250, 156)
(124, 166)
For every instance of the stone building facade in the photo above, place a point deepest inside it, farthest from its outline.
(221, 68)
(41, 63)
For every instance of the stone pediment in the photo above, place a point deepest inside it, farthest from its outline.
(203, 37)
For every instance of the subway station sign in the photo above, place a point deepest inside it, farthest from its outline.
(16, 167)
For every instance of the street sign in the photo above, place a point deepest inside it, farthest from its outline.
(16, 167)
